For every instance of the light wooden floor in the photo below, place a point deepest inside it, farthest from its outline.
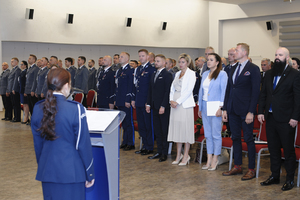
(140, 178)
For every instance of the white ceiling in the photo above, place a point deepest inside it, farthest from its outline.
(239, 1)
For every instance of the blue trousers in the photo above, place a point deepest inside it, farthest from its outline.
(145, 127)
(60, 191)
(212, 131)
(237, 123)
(127, 124)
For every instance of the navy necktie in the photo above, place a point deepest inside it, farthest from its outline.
(237, 73)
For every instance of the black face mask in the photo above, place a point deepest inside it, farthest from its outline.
(278, 67)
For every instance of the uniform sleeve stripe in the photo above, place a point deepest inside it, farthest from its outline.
(90, 165)
(79, 131)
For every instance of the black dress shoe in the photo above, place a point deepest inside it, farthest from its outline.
(123, 146)
(140, 151)
(287, 185)
(129, 147)
(163, 158)
(3, 118)
(147, 152)
(271, 180)
(28, 121)
(15, 120)
(157, 155)
(8, 119)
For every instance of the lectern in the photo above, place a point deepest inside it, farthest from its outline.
(104, 130)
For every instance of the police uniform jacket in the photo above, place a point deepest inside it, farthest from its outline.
(22, 81)
(92, 81)
(69, 158)
(124, 79)
(40, 80)
(140, 89)
(81, 79)
(72, 70)
(106, 87)
(31, 75)
(4, 81)
(13, 80)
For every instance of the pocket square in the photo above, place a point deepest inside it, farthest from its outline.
(247, 73)
(160, 77)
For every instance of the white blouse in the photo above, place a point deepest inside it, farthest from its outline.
(206, 83)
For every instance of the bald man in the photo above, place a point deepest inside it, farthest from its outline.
(3, 87)
(279, 106)
(208, 51)
(106, 85)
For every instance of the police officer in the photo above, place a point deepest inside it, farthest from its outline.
(81, 78)
(124, 79)
(3, 87)
(40, 79)
(71, 69)
(92, 75)
(106, 85)
(139, 98)
(60, 131)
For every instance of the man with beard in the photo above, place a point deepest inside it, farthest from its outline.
(279, 105)
(92, 78)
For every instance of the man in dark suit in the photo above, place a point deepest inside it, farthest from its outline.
(116, 64)
(265, 66)
(81, 78)
(92, 75)
(40, 79)
(13, 89)
(71, 69)
(100, 69)
(3, 87)
(106, 85)
(124, 79)
(31, 75)
(279, 105)
(240, 105)
(158, 102)
(139, 99)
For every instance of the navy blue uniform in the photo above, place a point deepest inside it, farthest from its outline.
(92, 79)
(31, 75)
(143, 76)
(22, 82)
(68, 160)
(72, 70)
(197, 86)
(124, 79)
(106, 88)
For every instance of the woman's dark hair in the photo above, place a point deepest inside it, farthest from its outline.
(25, 63)
(215, 74)
(56, 79)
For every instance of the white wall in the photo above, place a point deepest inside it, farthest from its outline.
(230, 24)
(103, 22)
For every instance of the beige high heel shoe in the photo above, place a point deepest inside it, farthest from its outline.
(176, 162)
(212, 169)
(186, 163)
(206, 166)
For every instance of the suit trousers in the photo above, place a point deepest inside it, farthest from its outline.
(145, 127)
(212, 131)
(63, 191)
(103, 106)
(127, 124)
(161, 128)
(84, 101)
(237, 123)
(31, 102)
(7, 106)
(15, 100)
(281, 135)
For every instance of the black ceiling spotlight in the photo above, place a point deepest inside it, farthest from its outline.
(164, 26)
(29, 13)
(269, 25)
(70, 18)
(128, 21)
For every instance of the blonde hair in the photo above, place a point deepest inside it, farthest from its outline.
(188, 60)
(245, 47)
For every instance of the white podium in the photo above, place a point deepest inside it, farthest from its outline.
(104, 129)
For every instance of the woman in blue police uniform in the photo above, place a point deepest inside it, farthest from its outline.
(62, 142)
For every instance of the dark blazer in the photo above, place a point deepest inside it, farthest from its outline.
(72, 70)
(158, 94)
(106, 88)
(45, 86)
(115, 67)
(69, 158)
(31, 75)
(92, 81)
(124, 80)
(81, 79)
(242, 97)
(140, 89)
(4, 81)
(228, 68)
(22, 81)
(13, 80)
(285, 99)
(40, 80)
(197, 86)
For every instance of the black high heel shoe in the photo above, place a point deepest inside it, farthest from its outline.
(28, 121)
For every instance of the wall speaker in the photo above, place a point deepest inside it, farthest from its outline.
(70, 18)
(269, 25)
(164, 26)
(29, 13)
(128, 22)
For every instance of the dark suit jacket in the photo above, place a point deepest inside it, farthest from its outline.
(81, 79)
(106, 88)
(30, 78)
(242, 97)
(40, 80)
(92, 81)
(124, 80)
(140, 89)
(72, 70)
(197, 86)
(158, 94)
(13, 80)
(22, 81)
(285, 99)
(4, 81)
